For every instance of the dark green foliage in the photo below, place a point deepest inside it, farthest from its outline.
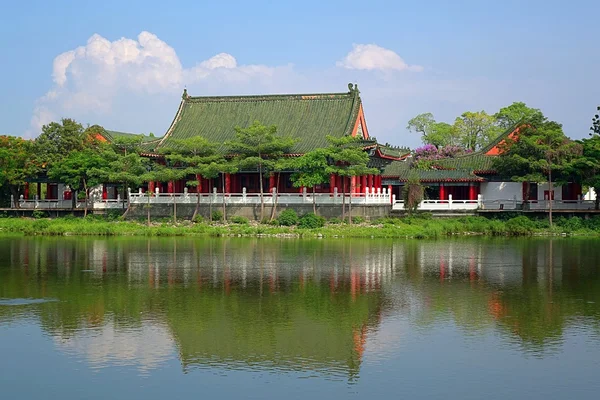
(311, 221)
(217, 215)
(237, 219)
(520, 226)
(37, 214)
(334, 221)
(198, 219)
(358, 220)
(288, 217)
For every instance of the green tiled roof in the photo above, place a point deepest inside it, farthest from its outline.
(113, 135)
(478, 161)
(393, 151)
(306, 117)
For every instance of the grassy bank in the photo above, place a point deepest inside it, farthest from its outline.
(413, 227)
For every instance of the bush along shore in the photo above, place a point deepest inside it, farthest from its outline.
(310, 225)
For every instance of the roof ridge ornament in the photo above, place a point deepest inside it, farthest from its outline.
(185, 95)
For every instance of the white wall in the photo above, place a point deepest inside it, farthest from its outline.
(590, 195)
(545, 186)
(502, 191)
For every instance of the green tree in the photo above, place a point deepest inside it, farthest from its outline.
(476, 129)
(281, 165)
(422, 124)
(436, 133)
(16, 164)
(587, 167)
(259, 146)
(540, 153)
(442, 134)
(348, 159)
(195, 155)
(81, 170)
(509, 116)
(125, 168)
(312, 169)
(58, 139)
(595, 128)
(412, 193)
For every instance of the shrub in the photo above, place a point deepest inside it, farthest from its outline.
(198, 219)
(237, 219)
(275, 222)
(519, 226)
(311, 221)
(358, 220)
(334, 221)
(37, 214)
(288, 217)
(570, 224)
(217, 215)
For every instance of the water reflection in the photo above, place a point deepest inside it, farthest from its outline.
(293, 305)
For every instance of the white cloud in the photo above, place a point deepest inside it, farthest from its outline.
(373, 57)
(91, 80)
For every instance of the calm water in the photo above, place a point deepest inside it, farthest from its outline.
(175, 318)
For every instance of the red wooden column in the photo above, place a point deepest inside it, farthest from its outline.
(442, 192)
(170, 187)
(151, 187)
(390, 194)
(363, 184)
(271, 182)
(331, 183)
(104, 192)
(26, 194)
(352, 185)
(377, 182)
(227, 183)
(199, 180)
(370, 181)
(472, 192)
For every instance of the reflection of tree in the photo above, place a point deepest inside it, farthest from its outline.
(559, 284)
(210, 295)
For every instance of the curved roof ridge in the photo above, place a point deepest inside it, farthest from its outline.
(254, 97)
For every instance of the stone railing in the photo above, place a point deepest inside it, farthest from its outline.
(372, 197)
(442, 205)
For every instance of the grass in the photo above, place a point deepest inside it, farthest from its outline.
(409, 227)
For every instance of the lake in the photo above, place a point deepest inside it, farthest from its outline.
(125, 318)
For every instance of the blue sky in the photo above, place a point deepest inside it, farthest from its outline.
(407, 57)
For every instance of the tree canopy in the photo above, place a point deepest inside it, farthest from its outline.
(259, 146)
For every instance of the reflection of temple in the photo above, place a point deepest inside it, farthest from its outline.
(226, 303)
(295, 304)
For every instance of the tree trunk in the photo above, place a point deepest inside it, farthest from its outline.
(314, 202)
(550, 198)
(223, 188)
(276, 201)
(87, 196)
(128, 201)
(262, 200)
(344, 198)
(197, 201)
(597, 206)
(210, 199)
(350, 205)
(174, 208)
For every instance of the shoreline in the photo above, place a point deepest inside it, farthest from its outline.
(406, 228)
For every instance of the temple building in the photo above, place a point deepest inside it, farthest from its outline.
(468, 180)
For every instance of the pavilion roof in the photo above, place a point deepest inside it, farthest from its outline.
(306, 117)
